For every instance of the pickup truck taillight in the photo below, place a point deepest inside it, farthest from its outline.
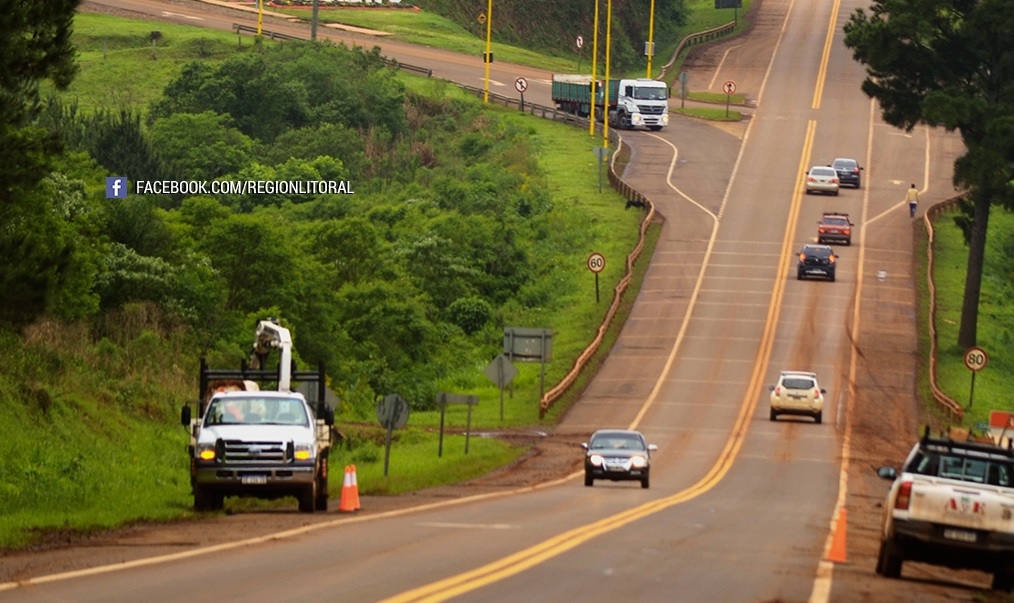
(904, 496)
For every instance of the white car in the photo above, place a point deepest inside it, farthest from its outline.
(797, 393)
(822, 179)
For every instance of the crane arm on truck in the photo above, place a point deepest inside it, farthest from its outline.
(270, 336)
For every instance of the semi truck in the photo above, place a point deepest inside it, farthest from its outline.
(632, 103)
(245, 441)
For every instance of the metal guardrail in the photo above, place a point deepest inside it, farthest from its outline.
(693, 40)
(276, 35)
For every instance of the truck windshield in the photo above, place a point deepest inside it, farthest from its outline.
(649, 93)
(256, 411)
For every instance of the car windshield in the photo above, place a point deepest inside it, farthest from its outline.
(798, 383)
(844, 164)
(256, 411)
(816, 252)
(836, 221)
(616, 441)
(822, 172)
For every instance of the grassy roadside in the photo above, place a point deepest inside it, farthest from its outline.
(996, 316)
(81, 459)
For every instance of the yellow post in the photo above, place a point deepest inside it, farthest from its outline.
(260, 15)
(651, 36)
(595, 65)
(489, 37)
(605, 93)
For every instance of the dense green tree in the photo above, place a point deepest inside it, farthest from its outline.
(950, 64)
(34, 46)
(201, 146)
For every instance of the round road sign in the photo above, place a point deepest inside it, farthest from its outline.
(579, 41)
(521, 84)
(729, 87)
(976, 359)
(596, 263)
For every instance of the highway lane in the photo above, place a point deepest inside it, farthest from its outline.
(740, 507)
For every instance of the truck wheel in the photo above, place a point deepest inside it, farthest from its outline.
(818, 417)
(1003, 580)
(321, 501)
(645, 482)
(889, 560)
(588, 479)
(774, 415)
(207, 501)
(307, 498)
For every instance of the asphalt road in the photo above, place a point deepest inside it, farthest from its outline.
(740, 508)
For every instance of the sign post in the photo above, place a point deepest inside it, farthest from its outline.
(976, 359)
(443, 399)
(392, 412)
(596, 263)
(501, 372)
(729, 87)
(521, 84)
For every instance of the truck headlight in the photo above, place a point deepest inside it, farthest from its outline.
(206, 452)
(637, 119)
(303, 452)
(665, 119)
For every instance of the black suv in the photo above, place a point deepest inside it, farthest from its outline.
(848, 171)
(816, 260)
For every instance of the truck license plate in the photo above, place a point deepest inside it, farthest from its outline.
(962, 535)
(255, 480)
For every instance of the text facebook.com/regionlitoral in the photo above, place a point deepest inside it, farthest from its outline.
(118, 187)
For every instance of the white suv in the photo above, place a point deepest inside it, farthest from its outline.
(797, 393)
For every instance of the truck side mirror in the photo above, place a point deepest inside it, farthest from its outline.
(887, 473)
(324, 411)
(185, 416)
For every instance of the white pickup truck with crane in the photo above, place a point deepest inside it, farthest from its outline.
(952, 504)
(266, 444)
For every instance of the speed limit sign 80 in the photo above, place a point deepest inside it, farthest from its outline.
(976, 359)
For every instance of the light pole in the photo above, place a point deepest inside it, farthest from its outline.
(651, 36)
(605, 97)
(595, 65)
(260, 15)
(489, 57)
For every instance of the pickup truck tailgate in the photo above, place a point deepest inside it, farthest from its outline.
(962, 505)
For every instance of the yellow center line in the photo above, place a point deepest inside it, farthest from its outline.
(818, 91)
(516, 563)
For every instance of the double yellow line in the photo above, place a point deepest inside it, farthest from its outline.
(516, 563)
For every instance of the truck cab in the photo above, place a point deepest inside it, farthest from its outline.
(641, 102)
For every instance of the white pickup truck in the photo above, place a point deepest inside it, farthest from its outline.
(951, 505)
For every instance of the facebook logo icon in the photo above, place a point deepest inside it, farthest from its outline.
(116, 187)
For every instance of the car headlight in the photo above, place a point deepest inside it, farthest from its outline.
(638, 461)
(595, 459)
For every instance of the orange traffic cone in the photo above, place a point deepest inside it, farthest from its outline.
(350, 491)
(837, 552)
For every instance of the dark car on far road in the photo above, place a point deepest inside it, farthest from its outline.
(617, 454)
(816, 260)
(848, 171)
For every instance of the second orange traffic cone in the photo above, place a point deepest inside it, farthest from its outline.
(837, 552)
(350, 490)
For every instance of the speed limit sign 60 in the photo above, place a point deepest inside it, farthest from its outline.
(596, 263)
(976, 359)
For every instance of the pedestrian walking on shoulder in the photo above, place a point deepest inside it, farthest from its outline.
(912, 196)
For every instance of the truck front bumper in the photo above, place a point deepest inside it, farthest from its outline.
(252, 479)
